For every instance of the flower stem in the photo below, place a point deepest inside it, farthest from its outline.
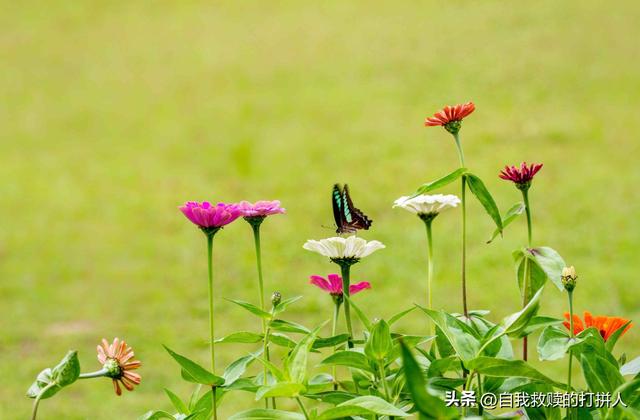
(334, 328)
(525, 282)
(570, 351)
(345, 270)
(456, 136)
(97, 374)
(464, 247)
(304, 410)
(383, 379)
(427, 223)
(36, 402)
(265, 333)
(212, 320)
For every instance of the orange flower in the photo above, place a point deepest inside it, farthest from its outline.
(450, 116)
(116, 360)
(606, 325)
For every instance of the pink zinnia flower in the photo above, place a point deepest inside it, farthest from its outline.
(333, 284)
(260, 208)
(450, 117)
(522, 176)
(207, 215)
(116, 360)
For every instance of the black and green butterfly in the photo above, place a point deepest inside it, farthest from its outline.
(348, 218)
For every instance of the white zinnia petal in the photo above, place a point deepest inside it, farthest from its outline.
(338, 247)
(425, 204)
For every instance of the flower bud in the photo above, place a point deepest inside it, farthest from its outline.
(276, 297)
(569, 278)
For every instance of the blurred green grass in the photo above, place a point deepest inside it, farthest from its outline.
(113, 113)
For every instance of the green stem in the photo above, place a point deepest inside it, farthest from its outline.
(36, 402)
(383, 379)
(212, 321)
(265, 334)
(334, 329)
(427, 223)
(304, 410)
(570, 351)
(97, 374)
(464, 246)
(345, 270)
(525, 294)
(456, 136)
(467, 386)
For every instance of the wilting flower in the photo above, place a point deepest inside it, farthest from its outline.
(569, 278)
(208, 216)
(333, 284)
(336, 248)
(606, 325)
(427, 205)
(522, 176)
(116, 361)
(260, 208)
(450, 117)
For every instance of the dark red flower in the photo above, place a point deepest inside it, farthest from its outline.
(520, 176)
(450, 117)
(606, 325)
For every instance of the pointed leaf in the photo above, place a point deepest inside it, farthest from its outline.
(251, 308)
(177, 403)
(478, 189)
(379, 344)
(503, 368)
(195, 372)
(235, 370)
(511, 215)
(400, 315)
(336, 340)
(613, 338)
(631, 368)
(459, 335)
(280, 389)
(600, 374)
(441, 182)
(362, 406)
(516, 323)
(296, 362)
(283, 305)
(240, 337)
(288, 326)
(349, 358)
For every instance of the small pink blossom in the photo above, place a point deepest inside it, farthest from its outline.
(260, 208)
(207, 215)
(522, 175)
(333, 284)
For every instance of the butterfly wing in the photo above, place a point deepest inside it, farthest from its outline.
(354, 218)
(337, 202)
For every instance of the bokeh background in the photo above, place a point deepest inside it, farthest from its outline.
(114, 113)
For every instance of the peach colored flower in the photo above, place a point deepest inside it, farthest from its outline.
(116, 360)
(450, 114)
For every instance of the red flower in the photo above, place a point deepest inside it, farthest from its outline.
(606, 325)
(450, 116)
(333, 285)
(520, 176)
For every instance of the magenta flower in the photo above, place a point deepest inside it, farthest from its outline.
(333, 284)
(522, 176)
(260, 208)
(208, 216)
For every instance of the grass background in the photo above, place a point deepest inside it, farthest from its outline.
(114, 113)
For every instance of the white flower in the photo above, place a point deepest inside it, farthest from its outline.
(337, 247)
(427, 204)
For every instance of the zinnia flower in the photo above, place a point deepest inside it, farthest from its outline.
(425, 204)
(522, 176)
(333, 285)
(450, 117)
(336, 248)
(116, 360)
(260, 208)
(606, 325)
(208, 216)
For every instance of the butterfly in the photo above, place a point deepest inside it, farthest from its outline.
(348, 218)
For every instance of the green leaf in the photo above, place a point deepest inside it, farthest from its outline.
(460, 336)
(503, 368)
(67, 371)
(156, 415)
(282, 306)
(275, 371)
(600, 374)
(195, 372)
(281, 340)
(43, 380)
(336, 340)
(366, 405)
(349, 358)
(429, 406)
(400, 315)
(536, 278)
(280, 389)
(511, 215)
(296, 363)
(439, 367)
(251, 308)
(288, 326)
(177, 403)
(539, 322)
(363, 318)
(548, 412)
(266, 414)
(554, 343)
(613, 338)
(441, 182)
(631, 368)
(484, 197)
(548, 260)
(516, 323)
(379, 344)
(236, 369)
(240, 337)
